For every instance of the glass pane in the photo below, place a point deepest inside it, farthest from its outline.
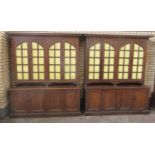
(140, 68)
(41, 76)
(140, 48)
(134, 68)
(19, 68)
(97, 47)
(57, 68)
(106, 46)
(25, 53)
(120, 61)
(92, 48)
(18, 53)
(72, 47)
(51, 61)
(57, 46)
(67, 53)
(35, 76)
(73, 69)
(19, 46)
(127, 47)
(24, 45)
(91, 61)
(41, 60)
(51, 53)
(112, 54)
(141, 54)
(91, 76)
(73, 53)
(35, 68)
(67, 46)
(140, 62)
(126, 62)
(91, 68)
(96, 75)
(57, 76)
(72, 75)
(97, 53)
(111, 61)
(67, 68)
(57, 61)
(35, 61)
(41, 53)
(120, 75)
(106, 61)
(67, 60)
(96, 68)
(120, 68)
(136, 47)
(97, 61)
(34, 45)
(133, 75)
(127, 54)
(105, 76)
(105, 68)
(91, 53)
(51, 68)
(135, 55)
(73, 61)
(67, 75)
(111, 68)
(125, 75)
(19, 76)
(139, 76)
(106, 53)
(111, 75)
(41, 68)
(25, 76)
(52, 76)
(135, 61)
(25, 68)
(121, 54)
(19, 61)
(25, 61)
(126, 68)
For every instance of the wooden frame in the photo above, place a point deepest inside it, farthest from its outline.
(116, 43)
(54, 95)
(46, 42)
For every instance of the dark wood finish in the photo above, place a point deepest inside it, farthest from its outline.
(45, 100)
(113, 99)
(45, 42)
(117, 43)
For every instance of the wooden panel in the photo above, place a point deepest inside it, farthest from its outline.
(72, 101)
(36, 101)
(119, 99)
(141, 100)
(93, 100)
(125, 99)
(108, 100)
(19, 101)
(54, 101)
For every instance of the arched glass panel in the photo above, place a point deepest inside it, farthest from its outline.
(108, 62)
(137, 66)
(94, 62)
(123, 62)
(22, 61)
(69, 62)
(54, 62)
(38, 67)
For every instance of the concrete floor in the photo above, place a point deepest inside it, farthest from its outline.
(139, 118)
